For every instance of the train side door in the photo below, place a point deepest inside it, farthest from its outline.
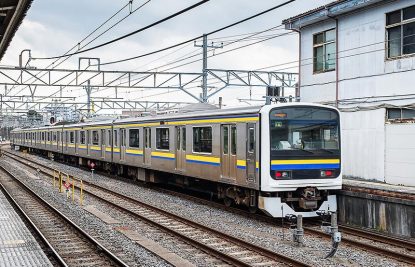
(88, 141)
(77, 141)
(180, 147)
(147, 145)
(228, 151)
(103, 140)
(122, 144)
(251, 153)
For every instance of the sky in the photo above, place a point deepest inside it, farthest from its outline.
(52, 27)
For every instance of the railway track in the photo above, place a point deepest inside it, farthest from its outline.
(229, 249)
(402, 245)
(68, 243)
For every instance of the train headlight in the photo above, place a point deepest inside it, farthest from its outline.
(326, 173)
(282, 174)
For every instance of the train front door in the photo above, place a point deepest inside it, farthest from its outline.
(228, 151)
(147, 145)
(251, 153)
(180, 148)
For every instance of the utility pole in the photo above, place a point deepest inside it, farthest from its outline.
(205, 47)
(88, 93)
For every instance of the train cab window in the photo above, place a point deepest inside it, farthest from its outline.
(162, 138)
(115, 137)
(134, 138)
(82, 137)
(202, 139)
(72, 137)
(233, 140)
(251, 139)
(95, 138)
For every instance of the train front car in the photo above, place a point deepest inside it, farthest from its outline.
(300, 159)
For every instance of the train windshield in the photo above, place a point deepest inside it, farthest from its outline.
(304, 131)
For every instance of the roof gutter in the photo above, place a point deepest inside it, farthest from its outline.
(325, 12)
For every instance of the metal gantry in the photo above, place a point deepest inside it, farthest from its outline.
(61, 78)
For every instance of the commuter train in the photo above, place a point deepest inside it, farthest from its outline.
(282, 158)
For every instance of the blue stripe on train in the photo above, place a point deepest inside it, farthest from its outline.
(304, 166)
(203, 162)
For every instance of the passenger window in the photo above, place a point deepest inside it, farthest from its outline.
(162, 138)
(202, 139)
(233, 140)
(251, 140)
(134, 138)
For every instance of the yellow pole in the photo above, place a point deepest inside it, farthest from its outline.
(54, 177)
(81, 196)
(73, 190)
(60, 182)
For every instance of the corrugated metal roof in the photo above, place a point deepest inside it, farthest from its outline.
(330, 10)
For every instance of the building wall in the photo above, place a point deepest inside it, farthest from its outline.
(371, 149)
(400, 154)
(363, 144)
(362, 64)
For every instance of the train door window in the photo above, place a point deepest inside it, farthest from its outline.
(59, 137)
(184, 138)
(103, 138)
(54, 136)
(115, 137)
(82, 137)
(48, 136)
(122, 137)
(225, 140)
(72, 137)
(202, 139)
(147, 137)
(109, 136)
(251, 139)
(134, 138)
(233, 140)
(43, 136)
(162, 138)
(95, 138)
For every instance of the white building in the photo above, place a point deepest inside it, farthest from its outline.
(360, 55)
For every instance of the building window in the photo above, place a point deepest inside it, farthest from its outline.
(95, 138)
(202, 139)
(400, 32)
(162, 138)
(134, 138)
(324, 54)
(400, 114)
(82, 137)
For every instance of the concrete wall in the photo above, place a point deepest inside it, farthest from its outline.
(389, 215)
(363, 144)
(363, 69)
(400, 154)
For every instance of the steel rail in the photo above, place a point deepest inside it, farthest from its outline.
(271, 255)
(98, 246)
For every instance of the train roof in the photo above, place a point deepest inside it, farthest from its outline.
(210, 112)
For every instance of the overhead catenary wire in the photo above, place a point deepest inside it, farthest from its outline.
(200, 36)
(134, 32)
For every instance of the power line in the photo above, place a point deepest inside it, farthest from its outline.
(134, 32)
(200, 36)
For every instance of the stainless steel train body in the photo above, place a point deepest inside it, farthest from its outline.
(284, 158)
